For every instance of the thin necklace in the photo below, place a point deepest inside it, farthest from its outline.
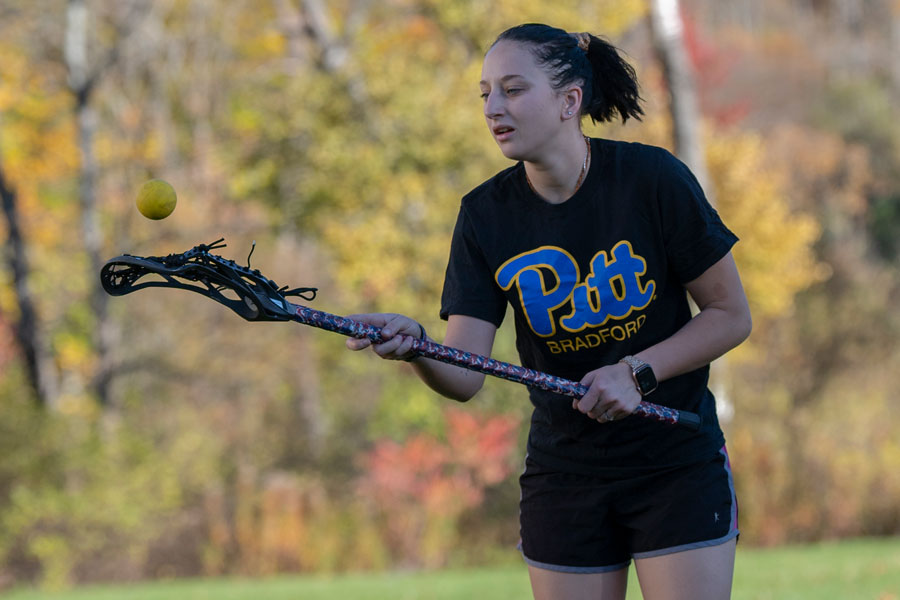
(587, 157)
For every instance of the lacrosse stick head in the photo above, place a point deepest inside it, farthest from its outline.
(244, 290)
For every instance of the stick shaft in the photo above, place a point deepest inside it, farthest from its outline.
(486, 365)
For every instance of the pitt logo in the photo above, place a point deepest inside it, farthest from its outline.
(548, 278)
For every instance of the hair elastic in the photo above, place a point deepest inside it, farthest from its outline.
(583, 39)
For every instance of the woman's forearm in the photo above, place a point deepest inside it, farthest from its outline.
(466, 333)
(706, 337)
(448, 380)
(722, 323)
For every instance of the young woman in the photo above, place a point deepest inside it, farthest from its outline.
(596, 245)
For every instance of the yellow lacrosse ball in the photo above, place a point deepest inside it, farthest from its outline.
(156, 199)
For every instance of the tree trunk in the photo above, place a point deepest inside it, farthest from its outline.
(81, 83)
(895, 49)
(667, 30)
(39, 367)
(667, 27)
(332, 54)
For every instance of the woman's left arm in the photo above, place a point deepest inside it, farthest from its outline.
(722, 323)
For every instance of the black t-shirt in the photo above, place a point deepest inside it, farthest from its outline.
(591, 280)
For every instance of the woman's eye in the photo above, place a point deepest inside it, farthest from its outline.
(484, 95)
(513, 91)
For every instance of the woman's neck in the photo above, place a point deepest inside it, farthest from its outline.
(561, 171)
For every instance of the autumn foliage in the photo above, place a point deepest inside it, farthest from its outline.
(421, 488)
(179, 440)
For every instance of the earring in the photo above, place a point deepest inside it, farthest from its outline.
(569, 113)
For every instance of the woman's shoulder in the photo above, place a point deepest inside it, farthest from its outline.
(643, 162)
(498, 188)
(634, 151)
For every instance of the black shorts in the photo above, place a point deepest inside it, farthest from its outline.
(583, 524)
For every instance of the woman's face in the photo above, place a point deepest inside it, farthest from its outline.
(522, 110)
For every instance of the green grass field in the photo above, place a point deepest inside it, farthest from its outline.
(851, 570)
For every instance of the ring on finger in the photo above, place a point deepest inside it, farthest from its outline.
(608, 417)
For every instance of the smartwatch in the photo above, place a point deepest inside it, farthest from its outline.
(642, 373)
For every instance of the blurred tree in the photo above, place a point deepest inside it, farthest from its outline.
(861, 111)
(817, 382)
(385, 140)
(667, 29)
(84, 73)
(35, 157)
(82, 82)
(27, 327)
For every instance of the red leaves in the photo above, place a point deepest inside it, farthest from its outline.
(443, 474)
(422, 486)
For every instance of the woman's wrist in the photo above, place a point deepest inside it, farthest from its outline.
(423, 335)
(641, 373)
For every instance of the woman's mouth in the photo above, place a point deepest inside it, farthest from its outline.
(502, 132)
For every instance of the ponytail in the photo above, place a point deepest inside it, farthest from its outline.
(609, 84)
(614, 85)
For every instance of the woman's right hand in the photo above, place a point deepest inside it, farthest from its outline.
(398, 332)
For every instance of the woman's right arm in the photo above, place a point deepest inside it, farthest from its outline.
(463, 332)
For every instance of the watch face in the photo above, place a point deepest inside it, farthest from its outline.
(646, 380)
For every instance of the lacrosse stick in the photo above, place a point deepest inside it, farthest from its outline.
(256, 298)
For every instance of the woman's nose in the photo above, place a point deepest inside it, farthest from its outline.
(493, 105)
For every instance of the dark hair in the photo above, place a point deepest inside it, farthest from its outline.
(608, 83)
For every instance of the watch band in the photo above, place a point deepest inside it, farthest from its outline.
(642, 374)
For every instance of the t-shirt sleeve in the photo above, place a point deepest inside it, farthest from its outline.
(695, 237)
(469, 286)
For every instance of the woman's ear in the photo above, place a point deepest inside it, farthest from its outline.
(571, 103)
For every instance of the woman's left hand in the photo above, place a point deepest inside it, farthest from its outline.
(611, 394)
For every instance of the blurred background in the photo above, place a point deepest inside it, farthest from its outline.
(159, 435)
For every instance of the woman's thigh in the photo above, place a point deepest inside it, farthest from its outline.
(554, 585)
(700, 574)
